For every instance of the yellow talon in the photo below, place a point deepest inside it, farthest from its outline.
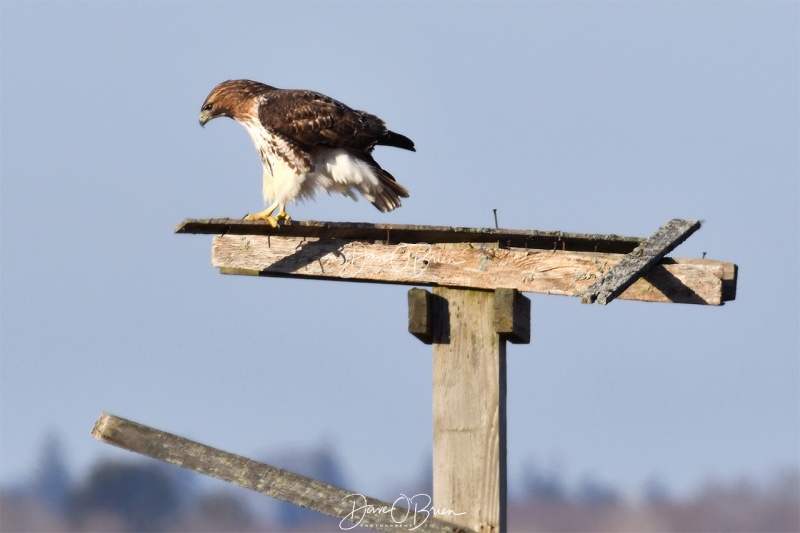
(266, 215)
(273, 221)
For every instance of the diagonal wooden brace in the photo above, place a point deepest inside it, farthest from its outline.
(639, 261)
(349, 507)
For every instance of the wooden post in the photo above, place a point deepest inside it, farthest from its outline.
(468, 331)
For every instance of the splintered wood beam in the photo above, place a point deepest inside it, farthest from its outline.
(404, 233)
(349, 507)
(639, 261)
(468, 265)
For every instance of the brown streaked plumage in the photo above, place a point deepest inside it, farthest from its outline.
(309, 142)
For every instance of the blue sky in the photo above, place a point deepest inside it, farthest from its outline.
(609, 117)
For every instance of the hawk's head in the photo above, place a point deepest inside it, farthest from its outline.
(232, 98)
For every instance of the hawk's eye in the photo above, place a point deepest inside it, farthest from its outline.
(207, 107)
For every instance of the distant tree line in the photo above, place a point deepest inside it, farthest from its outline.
(143, 495)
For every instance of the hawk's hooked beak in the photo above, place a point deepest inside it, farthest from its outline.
(204, 118)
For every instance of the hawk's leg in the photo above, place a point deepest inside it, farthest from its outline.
(266, 215)
(283, 215)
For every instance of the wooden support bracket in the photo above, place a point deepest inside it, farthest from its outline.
(420, 314)
(512, 316)
(350, 508)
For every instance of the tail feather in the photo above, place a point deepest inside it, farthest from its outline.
(388, 197)
(388, 194)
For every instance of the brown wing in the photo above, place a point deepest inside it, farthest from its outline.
(313, 119)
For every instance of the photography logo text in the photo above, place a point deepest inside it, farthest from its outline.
(409, 511)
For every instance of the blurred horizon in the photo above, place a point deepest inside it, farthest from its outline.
(113, 496)
(52, 449)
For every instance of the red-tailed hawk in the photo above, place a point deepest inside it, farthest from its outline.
(309, 142)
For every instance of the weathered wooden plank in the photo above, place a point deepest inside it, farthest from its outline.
(639, 261)
(469, 410)
(349, 507)
(397, 233)
(476, 266)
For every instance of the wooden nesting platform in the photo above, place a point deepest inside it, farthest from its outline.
(474, 309)
(593, 267)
